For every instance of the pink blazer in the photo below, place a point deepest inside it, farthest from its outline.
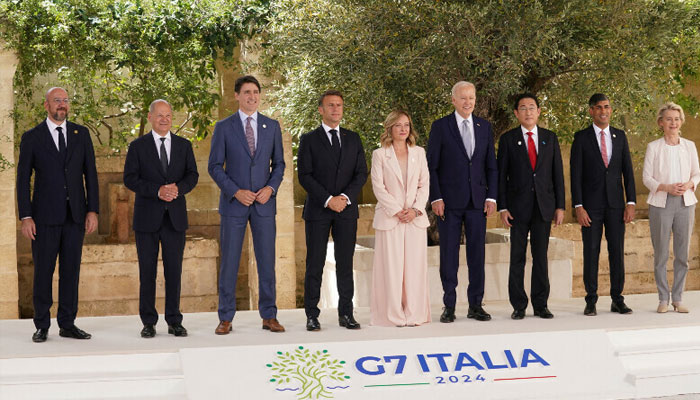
(656, 171)
(393, 195)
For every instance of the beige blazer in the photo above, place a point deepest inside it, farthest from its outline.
(392, 193)
(656, 171)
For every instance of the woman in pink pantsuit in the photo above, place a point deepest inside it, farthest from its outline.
(400, 181)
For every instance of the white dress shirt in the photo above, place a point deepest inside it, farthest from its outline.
(253, 123)
(534, 138)
(54, 132)
(168, 143)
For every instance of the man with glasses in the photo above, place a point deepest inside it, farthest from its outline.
(63, 207)
(530, 195)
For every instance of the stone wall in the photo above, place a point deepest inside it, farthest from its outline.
(8, 233)
(109, 279)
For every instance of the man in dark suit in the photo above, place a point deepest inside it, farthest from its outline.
(332, 170)
(463, 190)
(530, 195)
(600, 160)
(247, 163)
(58, 214)
(160, 168)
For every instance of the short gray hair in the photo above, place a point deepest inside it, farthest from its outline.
(156, 101)
(669, 106)
(48, 92)
(460, 85)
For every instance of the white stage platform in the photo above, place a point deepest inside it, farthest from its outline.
(610, 356)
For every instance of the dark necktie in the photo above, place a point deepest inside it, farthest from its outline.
(163, 156)
(335, 144)
(531, 151)
(61, 143)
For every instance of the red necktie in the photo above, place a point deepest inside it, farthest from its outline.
(603, 148)
(531, 151)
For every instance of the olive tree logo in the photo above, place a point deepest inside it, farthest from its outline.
(311, 370)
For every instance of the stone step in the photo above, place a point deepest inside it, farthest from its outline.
(145, 376)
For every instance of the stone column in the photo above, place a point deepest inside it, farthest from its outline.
(9, 292)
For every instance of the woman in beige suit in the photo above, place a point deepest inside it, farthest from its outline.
(400, 181)
(671, 173)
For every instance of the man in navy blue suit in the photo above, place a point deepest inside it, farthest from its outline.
(463, 189)
(247, 163)
(160, 168)
(63, 207)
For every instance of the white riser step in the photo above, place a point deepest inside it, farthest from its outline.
(168, 387)
(93, 365)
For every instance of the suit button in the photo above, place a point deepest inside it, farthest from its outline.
(532, 189)
(470, 163)
(65, 188)
(470, 179)
(534, 174)
(66, 170)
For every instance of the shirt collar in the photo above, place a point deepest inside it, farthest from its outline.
(328, 128)
(525, 131)
(597, 129)
(460, 119)
(52, 126)
(157, 137)
(244, 116)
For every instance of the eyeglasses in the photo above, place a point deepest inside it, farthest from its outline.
(59, 101)
(527, 109)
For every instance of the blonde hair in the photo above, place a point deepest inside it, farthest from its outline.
(386, 139)
(669, 106)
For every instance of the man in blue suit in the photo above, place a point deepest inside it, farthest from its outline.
(463, 189)
(62, 209)
(247, 162)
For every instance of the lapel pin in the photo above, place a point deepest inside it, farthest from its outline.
(478, 124)
(264, 126)
(614, 135)
(543, 142)
(519, 142)
(75, 132)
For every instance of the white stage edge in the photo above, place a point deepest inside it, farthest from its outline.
(610, 356)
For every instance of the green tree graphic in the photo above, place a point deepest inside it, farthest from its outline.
(309, 369)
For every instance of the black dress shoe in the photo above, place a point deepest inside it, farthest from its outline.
(478, 313)
(312, 324)
(177, 330)
(448, 315)
(148, 331)
(590, 310)
(620, 307)
(348, 321)
(40, 335)
(544, 313)
(518, 314)
(74, 332)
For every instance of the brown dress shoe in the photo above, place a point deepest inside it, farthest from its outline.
(272, 325)
(224, 328)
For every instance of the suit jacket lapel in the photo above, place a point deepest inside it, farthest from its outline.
(394, 164)
(71, 139)
(327, 144)
(239, 131)
(174, 155)
(154, 152)
(411, 168)
(48, 141)
(543, 139)
(454, 129)
(615, 139)
(262, 135)
(593, 140)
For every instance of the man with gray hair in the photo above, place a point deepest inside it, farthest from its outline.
(463, 189)
(63, 207)
(160, 168)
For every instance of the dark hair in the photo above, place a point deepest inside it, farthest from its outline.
(527, 95)
(331, 92)
(243, 80)
(597, 98)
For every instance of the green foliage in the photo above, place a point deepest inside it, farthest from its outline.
(409, 53)
(308, 369)
(116, 56)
